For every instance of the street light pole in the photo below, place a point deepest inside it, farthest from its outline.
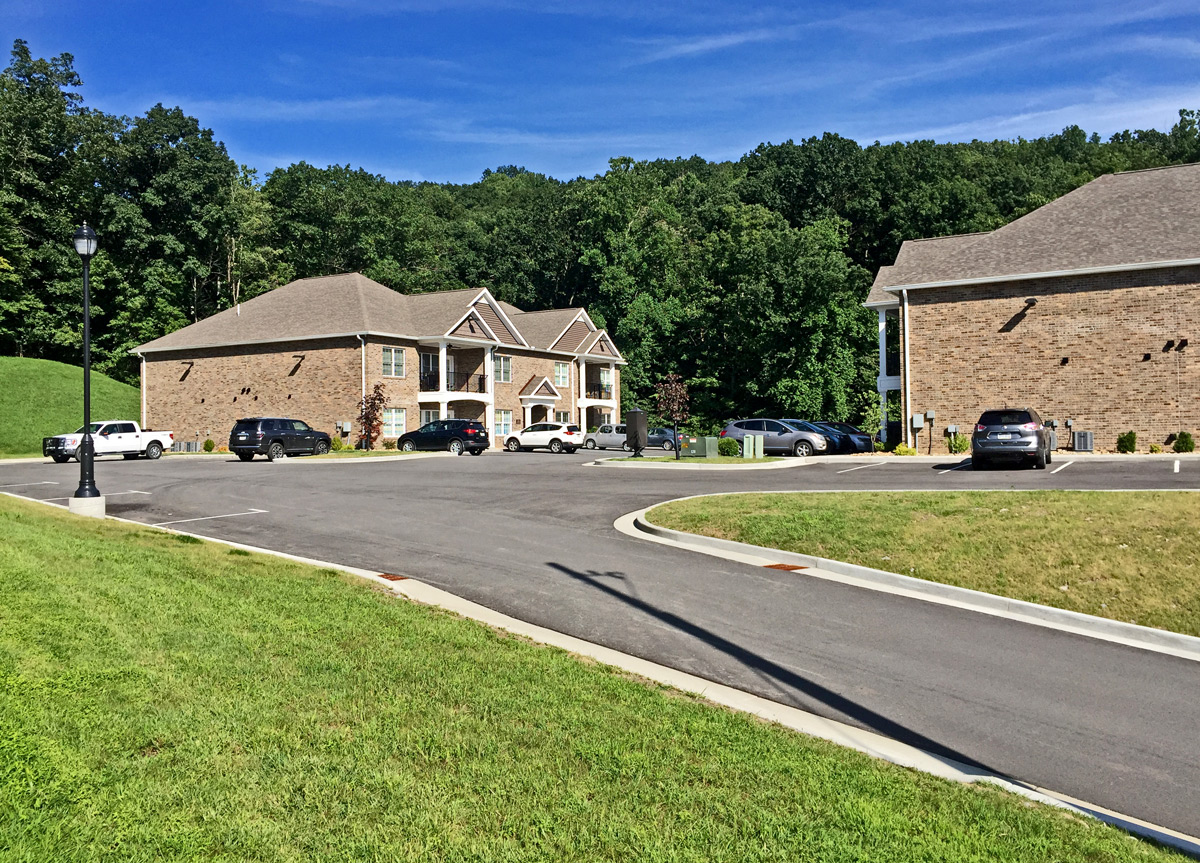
(85, 245)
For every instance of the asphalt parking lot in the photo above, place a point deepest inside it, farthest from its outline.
(530, 534)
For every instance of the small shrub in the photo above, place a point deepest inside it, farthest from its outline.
(1127, 442)
(1184, 442)
(1155, 448)
(210, 445)
(958, 443)
(728, 446)
(335, 443)
(389, 444)
(880, 446)
(904, 449)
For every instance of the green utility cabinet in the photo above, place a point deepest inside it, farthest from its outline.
(752, 446)
(699, 447)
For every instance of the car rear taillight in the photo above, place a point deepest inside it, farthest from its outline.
(1029, 426)
(470, 431)
(258, 434)
(171, 435)
(722, 433)
(980, 427)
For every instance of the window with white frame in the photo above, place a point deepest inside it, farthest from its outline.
(393, 362)
(503, 422)
(606, 376)
(429, 416)
(394, 422)
(562, 416)
(562, 374)
(503, 369)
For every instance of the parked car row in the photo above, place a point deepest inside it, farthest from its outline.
(800, 437)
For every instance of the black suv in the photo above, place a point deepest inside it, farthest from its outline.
(457, 436)
(1010, 434)
(276, 437)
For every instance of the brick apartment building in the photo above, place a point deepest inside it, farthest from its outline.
(312, 348)
(1084, 309)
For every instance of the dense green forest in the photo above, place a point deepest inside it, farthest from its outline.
(745, 277)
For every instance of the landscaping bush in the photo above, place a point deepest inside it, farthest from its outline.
(1127, 442)
(210, 445)
(1184, 442)
(389, 444)
(880, 446)
(904, 449)
(958, 443)
(335, 443)
(728, 446)
(1155, 448)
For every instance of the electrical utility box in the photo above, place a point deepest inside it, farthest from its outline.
(635, 429)
(699, 447)
(1081, 441)
(752, 446)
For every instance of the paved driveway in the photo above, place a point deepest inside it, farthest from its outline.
(531, 535)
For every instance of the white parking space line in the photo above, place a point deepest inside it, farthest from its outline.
(208, 517)
(1062, 467)
(956, 467)
(861, 466)
(106, 494)
(1176, 465)
(47, 482)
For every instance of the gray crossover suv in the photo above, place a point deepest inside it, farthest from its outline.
(1010, 434)
(778, 437)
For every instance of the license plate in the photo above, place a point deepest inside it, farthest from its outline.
(241, 437)
(1003, 436)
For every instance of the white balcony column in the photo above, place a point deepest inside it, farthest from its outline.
(882, 343)
(612, 381)
(582, 378)
(489, 373)
(883, 419)
(527, 411)
(443, 384)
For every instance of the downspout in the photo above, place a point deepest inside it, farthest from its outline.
(142, 359)
(907, 375)
(363, 363)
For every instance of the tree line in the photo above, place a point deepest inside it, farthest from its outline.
(744, 277)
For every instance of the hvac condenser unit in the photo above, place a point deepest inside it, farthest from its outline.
(1081, 441)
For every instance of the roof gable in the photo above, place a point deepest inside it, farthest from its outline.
(540, 386)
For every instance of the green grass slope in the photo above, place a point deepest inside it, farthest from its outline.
(41, 397)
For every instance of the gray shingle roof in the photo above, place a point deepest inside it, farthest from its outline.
(540, 329)
(1136, 217)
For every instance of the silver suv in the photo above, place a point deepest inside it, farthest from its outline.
(1017, 434)
(778, 436)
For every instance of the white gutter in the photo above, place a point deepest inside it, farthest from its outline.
(1050, 274)
(907, 373)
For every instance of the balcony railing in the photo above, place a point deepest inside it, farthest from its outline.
(600, 391)
(459, 382)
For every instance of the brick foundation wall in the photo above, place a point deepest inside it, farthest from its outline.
(981, 346)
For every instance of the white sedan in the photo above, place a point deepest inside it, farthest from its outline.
(556, 437)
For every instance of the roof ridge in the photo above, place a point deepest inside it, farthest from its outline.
(1148, 170)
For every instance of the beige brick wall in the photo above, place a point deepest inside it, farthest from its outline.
(1103, 326)
(323, 390)
(200, 393)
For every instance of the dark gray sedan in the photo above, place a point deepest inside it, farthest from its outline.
(778, 436)
(1010, 434)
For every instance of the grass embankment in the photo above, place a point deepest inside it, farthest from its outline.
(163, 698)
(40, 398)
(1132, 556)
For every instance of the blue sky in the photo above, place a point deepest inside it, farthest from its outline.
(441, 89)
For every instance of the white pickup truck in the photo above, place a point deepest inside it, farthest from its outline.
(110, 437)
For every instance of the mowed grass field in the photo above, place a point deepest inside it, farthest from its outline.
(162, 698)
(40, 398)
(1131, 556)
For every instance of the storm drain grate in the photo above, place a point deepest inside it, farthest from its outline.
(786, 567)
(391, 576)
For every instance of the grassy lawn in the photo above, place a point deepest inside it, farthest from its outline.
(1132, 556)
(721, 459)
(41, 398)
(164, 698)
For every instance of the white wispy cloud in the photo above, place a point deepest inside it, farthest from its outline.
(342, 109)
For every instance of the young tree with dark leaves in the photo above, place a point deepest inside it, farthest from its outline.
(673, 404)
(370, 417)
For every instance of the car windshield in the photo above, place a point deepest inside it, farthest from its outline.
(93, 428)
(845, 428)
(572, 428)
(1004, 418)
(801, 425)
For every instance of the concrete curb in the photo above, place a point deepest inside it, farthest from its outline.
(868, 742)
(620, 462)
(963, 458)
(1129, 634)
